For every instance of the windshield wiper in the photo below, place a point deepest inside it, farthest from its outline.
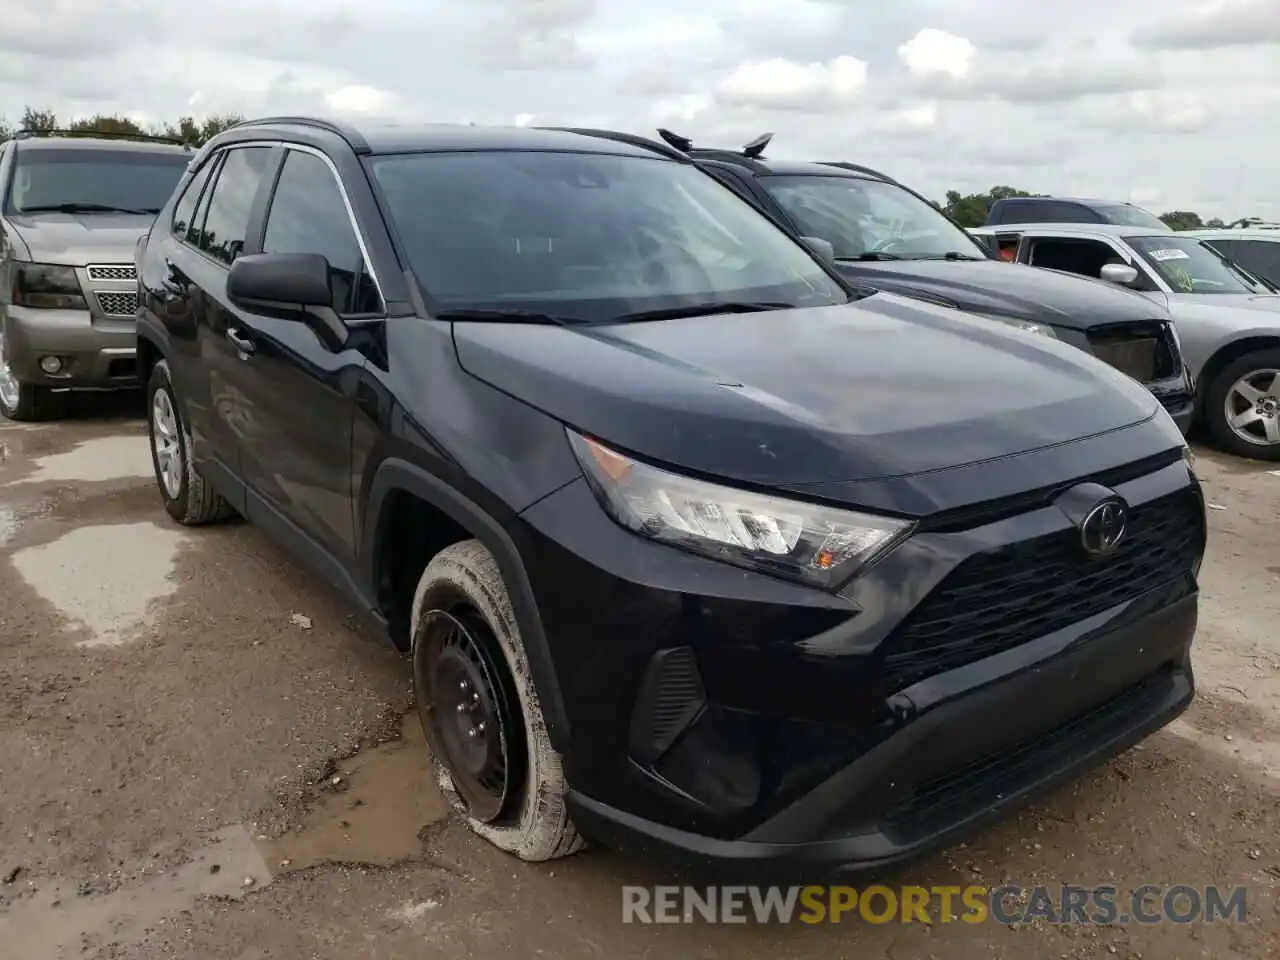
(874, 255)
(702, 310)
(86, 208)
(513, 315)
(950, 255)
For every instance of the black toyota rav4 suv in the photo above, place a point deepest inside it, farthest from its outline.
(881, 233)
(693, 544)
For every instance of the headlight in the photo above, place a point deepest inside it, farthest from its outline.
(788, 538)
(47, 285)
(1043, 329)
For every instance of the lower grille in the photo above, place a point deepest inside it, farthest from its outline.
(976, 784)
(999, 600)
(118, 304)
(1144, 351)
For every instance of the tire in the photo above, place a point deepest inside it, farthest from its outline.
(24, 402)
(462, 586)
(1258, 367)
(192, 502)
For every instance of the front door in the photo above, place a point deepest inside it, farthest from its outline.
(298, 395)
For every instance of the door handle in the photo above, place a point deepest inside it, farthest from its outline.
(173, 280)
(243, 344)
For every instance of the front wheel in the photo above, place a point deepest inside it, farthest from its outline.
(1242, 406)
(489, 746)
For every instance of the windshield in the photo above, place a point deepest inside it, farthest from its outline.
(93, 180)
(860, 217)
(1128, 215)
(1190, 266)
(588, 236)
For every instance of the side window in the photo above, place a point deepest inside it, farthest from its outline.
(1070, 213)
(1260, 257)
(222, 235)
(184, 210)
(308, 215)
(1228, 248)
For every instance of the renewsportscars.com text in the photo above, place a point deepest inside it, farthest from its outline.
(1006, 904)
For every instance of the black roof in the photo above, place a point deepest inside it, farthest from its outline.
(446, 137)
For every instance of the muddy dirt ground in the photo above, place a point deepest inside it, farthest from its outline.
(202, 755)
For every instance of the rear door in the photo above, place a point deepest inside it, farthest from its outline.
(198, 265)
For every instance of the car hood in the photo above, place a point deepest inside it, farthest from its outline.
(880, 388)
(1008, 289)
(75, 239)
(1237, 301)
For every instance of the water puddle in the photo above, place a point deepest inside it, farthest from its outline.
(373, 811)
(56, 920)
(374, 808)
(104, 458)
(104, 578)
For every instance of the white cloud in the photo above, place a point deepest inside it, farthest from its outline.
(933, 51)
(359, 99)
(795, 86)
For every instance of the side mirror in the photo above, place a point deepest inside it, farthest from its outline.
(822, 248)
(1119, 273)
(280, 280)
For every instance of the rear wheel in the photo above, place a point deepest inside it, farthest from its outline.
(1242, 406)
(23, 401)
(187, 496)
(476, 701)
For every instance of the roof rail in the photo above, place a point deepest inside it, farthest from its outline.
(843, 165)
(347, 132)
(683, 144)
(631, 139)
(31, 134)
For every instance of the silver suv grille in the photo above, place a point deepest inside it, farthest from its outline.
(112, 271)
(118, 304)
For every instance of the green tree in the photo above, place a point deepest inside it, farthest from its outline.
(1182, 220)
(1215, 224)
(33, 119)
(971, 210)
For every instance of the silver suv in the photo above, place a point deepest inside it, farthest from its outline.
(72, 208)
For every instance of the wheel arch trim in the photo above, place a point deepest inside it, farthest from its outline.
(397, 475)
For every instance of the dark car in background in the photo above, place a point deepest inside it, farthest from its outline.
(1071, 210)
(72, 207)
(694, 544)
(883, 234)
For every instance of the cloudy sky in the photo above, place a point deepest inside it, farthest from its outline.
(1172, 105)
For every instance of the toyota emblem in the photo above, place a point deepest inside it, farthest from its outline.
(1103, 527)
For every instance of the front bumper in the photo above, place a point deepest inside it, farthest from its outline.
(967, 759)
(95, 352)
(720, 715)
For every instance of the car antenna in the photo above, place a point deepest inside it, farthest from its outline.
(683, 144)
(755, 149)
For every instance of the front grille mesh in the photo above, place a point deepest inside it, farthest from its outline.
(1144, 351)
(112, 271)
(998, 600)
(118, 304)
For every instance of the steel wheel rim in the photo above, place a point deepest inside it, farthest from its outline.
(10, 391)
(473, 720)
(1252, 407)
(164, 443)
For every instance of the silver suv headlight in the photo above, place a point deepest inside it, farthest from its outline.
(820, 545)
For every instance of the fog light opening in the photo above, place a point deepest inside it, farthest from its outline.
(51, 365)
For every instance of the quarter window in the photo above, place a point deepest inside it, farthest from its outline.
(309, 215)
(184, 211)
(222, 235)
